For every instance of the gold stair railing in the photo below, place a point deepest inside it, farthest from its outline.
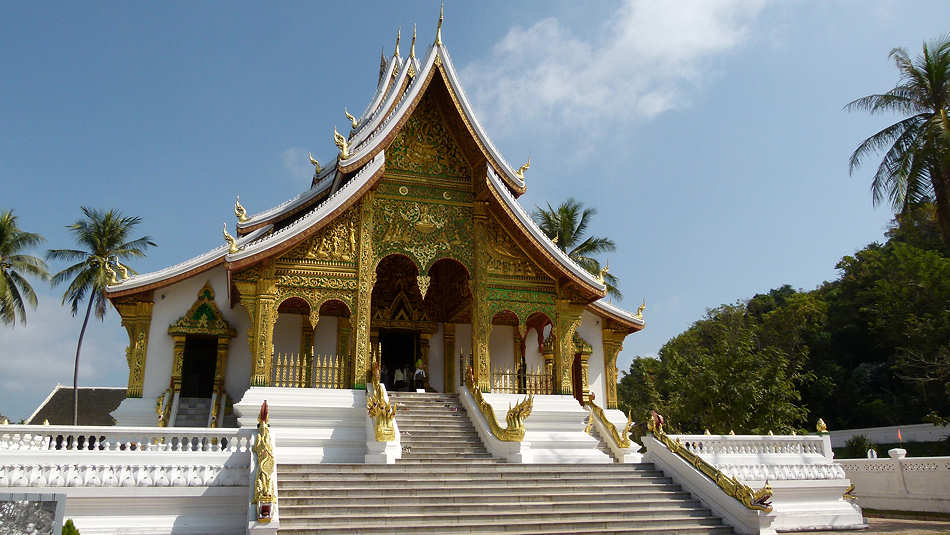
(757, 500)
(515, 418)
(621, 439)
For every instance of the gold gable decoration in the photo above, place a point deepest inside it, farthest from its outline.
(424, 146)
(203, 318)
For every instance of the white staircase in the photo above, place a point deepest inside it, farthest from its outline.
(193, 412)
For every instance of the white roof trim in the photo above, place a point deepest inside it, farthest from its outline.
(315, 215)
(540, 236)
(144, 279)
(323, 183)
(614, 310)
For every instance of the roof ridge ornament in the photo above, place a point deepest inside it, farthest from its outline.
(398, 37)
(603, 273)
(412, 47)
(341, 143)
(315, 163)
(382, 63)
(520, 172)
(438, 28)
(232, 243)
(349, 116)
(640, 309)
(239, 210)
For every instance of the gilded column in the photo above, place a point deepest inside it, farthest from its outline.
(585, 369)
(306, 350)
(448, 357)
(367, 279)
(613, 343)
(177, 362)
(481, 321)
(568, 319)
(137, 319)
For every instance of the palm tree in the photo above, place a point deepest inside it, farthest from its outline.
(566, 226)
(13, 265)
(104, 238)
(916, 163)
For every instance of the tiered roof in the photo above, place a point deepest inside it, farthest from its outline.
(360, 165)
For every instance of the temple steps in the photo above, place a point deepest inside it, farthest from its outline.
(193, 412)
(447, 483)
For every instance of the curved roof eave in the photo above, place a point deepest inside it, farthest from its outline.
(371, 138)
(616, 313)
(290, 205)
(538, 236)
(381, 88)
(192, 266)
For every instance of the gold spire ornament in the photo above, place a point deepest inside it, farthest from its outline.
(382, 63)
(4, 421)
(603, 273)
(640, 309)
(350, 117)
(232, 243)
(412, 47)
(438, 29)
(315, 163)
(239, 210)
(123, 271)
(556, 238)
(520, 172)
(342, 144)
(820, 426)
(111, 272)
(398, 37)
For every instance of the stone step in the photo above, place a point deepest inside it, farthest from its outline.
(631, 469)
(438, 507)
(384, 492)
(653, 499)
(300, 483)
(588, 528)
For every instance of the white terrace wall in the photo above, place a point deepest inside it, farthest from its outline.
(888, 435)
(592, 331)
(909, 484)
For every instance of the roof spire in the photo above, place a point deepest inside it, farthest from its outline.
(382, 63)
(438, 29)
(398, 36)
(412, 48)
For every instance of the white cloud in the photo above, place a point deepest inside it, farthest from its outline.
(645, 61)
(297, 164)
(36, 356)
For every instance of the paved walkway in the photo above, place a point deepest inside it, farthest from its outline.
(893, 525)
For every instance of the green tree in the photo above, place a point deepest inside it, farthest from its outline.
(14, 288)
(104, 238)
(638, 391)
(567, 226)
(916, 162)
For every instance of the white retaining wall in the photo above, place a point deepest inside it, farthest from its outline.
(909, 484)
(888, 435)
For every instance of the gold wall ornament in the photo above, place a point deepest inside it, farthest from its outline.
(349, 116)
(314, 163)
(438, 28)
(335, 243)
(640, 309)
(520, 172)
(515, 418)
(232, 243)
(382, 412)
(264, 481)
(136, 313)
(821, 427)
(239, 210)
(756, 500)
(342, 144)
(423, 282)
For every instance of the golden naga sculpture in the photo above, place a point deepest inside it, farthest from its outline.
(820, 426)
(382, 412)
(349, 116)
(756, 500)
(239, 210)
(620, 438)
(849, 493)
(163, 407)
(314, 163)
(232, 243)
(601, 277)
(514, 432)
(640, 309)
(123, 271)
(264, 481)
(520, 172)
(342, 144)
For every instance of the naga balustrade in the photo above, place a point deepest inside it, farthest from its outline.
(508, 381)
(302, 370)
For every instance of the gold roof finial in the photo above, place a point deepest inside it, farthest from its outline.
(603, 273)
(398, 37)
(438, 29)
(640, 309)
(4, 421)
(315, 163)
(821, 427)
(412, 47)
(382, 63)
(45, 421)
(556, 238)
(232, 243)
(111, 272)
(350, 117)
(123, 271)
(239, 210)
(520, 172)
(341, 143)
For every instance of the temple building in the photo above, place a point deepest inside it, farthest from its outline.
(410, 245)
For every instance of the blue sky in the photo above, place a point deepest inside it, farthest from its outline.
(710, 135)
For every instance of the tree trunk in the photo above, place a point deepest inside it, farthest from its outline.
(941, 188)
(82, 333)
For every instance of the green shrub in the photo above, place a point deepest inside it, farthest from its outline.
(69, 528)
(857, 447)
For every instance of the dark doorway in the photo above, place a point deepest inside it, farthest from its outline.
(197, 370)
(398, 358)
(577, 379)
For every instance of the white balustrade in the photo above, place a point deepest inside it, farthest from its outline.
(35, 438)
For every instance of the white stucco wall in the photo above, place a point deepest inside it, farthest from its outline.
(501, 347)
(591, 330)
(436, 361)
(324, 336)
(287, 333)
(532, 351)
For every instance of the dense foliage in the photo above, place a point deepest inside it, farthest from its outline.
(14, 288)
(871, 348)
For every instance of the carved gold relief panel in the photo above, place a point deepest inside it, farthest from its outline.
(422, 231)
(424, 146)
